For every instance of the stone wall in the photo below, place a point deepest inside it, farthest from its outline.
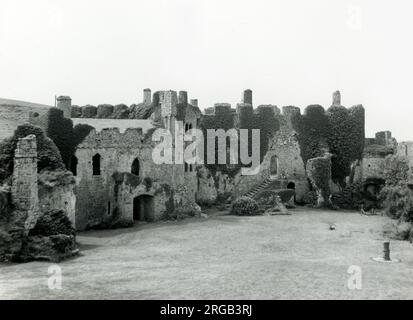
(96, 198)
(405, 149)
(24, 180)
(372, 167)
(11, 116)
(284, 146)
(57, 192)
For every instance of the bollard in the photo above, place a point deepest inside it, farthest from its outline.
(386, 254)
(386, 251)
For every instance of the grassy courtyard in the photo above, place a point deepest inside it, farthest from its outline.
(226, 257)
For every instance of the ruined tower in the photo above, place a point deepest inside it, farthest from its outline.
(64, 103)
(183, 97)
(147, 96)
(24, 181)
(247, 97)
(168, 100)
(336, 99)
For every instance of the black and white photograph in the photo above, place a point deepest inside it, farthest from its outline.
(189, 151)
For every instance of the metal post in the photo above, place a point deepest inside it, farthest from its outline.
(386, 251)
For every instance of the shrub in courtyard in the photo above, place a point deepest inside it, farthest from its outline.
(245, 206)
(310, 198)
(51, 223)
(396, 170)
(350, 197)
(398, 201)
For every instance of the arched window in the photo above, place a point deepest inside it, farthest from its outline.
(135, 167)
(96, 164)
(73, 165)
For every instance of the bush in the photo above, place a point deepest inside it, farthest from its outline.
(89, 111)
(120, 111)
(60, 130)
(53, 222)
(398, 201)
(351, 197)
(48, 156)
(76, 112)
(396, 170)
(245, 206)
(310, 198)
(104, 111)
(66, 138)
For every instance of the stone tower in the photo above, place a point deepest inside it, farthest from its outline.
(147, 96)
(64, 103)
(169, 100)
(24, 180)
(336, 99)
(183, 97)
(247, 97)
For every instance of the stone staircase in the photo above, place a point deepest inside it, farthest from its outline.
(262, 186)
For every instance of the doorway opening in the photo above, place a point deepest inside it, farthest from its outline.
(143, 208)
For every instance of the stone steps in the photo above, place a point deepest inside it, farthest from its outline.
(253, 192)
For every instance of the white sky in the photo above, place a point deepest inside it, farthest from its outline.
(288, 52)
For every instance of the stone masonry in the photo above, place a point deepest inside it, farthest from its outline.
(24, 185)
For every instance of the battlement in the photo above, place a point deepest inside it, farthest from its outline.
(290, 111)
(274, 108)
(121, 124)
(222, 107)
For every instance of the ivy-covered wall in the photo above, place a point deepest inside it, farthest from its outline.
(338, 130)
(64, 135)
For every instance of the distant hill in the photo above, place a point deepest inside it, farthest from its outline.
(11, 102)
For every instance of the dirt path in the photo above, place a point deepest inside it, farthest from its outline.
(226, 257)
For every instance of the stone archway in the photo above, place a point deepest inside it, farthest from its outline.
(143, 208)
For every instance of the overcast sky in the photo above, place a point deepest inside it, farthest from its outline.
(288, 52)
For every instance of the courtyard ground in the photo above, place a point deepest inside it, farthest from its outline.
(226, 257)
